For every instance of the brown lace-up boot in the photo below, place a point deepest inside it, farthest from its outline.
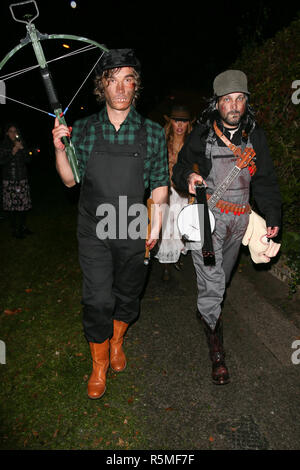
(220, 374)
(117, 356)
(97, 380)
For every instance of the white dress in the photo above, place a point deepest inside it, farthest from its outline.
(171, 246)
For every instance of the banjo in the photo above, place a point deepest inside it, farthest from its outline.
(189, 218)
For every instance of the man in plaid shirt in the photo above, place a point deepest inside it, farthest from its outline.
(120, 155)
(154, 168)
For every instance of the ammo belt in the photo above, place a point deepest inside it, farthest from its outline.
(237, 209)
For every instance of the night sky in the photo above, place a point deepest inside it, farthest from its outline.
(181, 45)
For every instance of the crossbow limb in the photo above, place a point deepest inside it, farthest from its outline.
(35, 37)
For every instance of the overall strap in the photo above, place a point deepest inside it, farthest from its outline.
(230, 145)
(238, 152)
(210, 140)
(142, 139)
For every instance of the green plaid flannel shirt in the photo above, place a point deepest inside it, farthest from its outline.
(156, 171)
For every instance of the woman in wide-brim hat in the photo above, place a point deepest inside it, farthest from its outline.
(178, 125)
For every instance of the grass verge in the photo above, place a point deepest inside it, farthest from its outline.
(43, 397)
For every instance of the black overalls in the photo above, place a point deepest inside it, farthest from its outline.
(113, 269)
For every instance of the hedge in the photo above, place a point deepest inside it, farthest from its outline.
(273, 71)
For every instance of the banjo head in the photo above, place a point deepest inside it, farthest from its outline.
(188, 222)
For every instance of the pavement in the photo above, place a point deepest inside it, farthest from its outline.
(178, 404)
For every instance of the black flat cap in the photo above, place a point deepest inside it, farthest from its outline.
(116, 58)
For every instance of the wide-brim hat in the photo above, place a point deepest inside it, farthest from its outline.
(179, 112)
(230, 81)
(117, 58)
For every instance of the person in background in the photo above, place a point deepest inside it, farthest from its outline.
(14, 158)
(171, 245)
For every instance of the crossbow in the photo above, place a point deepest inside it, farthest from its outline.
(35, 37)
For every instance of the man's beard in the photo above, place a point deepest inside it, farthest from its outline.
(232, 118)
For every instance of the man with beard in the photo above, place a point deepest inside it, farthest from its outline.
(229, 115)
(120, 154)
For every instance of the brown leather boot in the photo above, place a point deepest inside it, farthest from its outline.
(117, 356)
(220, 374)
(97, 380)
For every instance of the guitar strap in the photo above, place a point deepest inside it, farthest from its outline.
(207, 247)
(236, 150)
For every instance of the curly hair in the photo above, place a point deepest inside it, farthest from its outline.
(106, 75)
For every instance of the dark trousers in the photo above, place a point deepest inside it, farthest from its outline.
(17, 221)
(212, 280)
(113, 279)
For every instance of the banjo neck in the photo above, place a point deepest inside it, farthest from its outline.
(243, 160)
(216, 196)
